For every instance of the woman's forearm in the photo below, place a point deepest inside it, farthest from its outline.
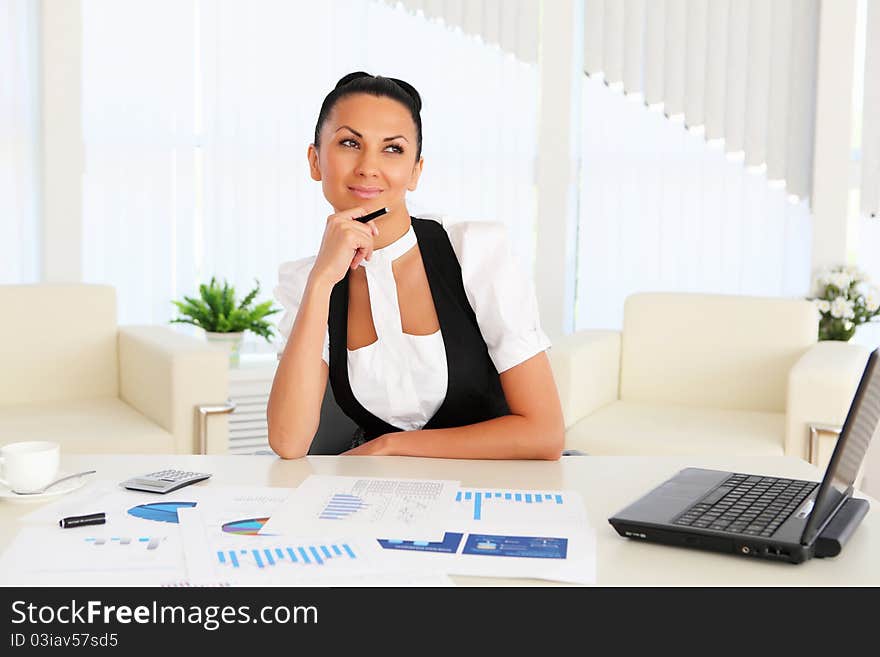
(506, 437)
(294, 408)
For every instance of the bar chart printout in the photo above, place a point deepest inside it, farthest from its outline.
(216, 555)
(518, 508)
(283, 556)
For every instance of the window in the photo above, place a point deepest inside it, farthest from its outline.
(195, 150)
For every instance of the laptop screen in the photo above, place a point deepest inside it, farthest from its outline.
(861, 424)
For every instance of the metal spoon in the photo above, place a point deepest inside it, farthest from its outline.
(57, 481)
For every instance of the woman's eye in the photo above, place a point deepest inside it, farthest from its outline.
(351, 143)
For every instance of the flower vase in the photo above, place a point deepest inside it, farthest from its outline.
(231, 342)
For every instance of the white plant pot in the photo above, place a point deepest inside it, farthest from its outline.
(231, 342)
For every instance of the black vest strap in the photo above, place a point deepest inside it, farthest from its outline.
(473, 392)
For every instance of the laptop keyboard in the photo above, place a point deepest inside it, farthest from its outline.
(746, 504)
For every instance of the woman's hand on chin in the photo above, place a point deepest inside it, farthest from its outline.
(379, 446)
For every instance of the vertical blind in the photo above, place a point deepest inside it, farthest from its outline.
(19, 142)
(745, 70)
(196, 151)
(512, 25)
(870, 190)
(662, 210)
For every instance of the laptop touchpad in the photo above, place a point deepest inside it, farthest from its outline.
(674, 496)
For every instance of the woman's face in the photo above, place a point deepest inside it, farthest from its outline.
(367, 156)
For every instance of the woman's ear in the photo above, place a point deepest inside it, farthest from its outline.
(314, 167)
(416, 173)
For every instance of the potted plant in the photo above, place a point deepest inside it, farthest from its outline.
(223, 321)
(845, 299)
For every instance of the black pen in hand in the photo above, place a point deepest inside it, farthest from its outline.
(372, 215)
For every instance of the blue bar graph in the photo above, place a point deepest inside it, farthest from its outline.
(479, 499)
(342, 505)
(150, 543)
(316, 555)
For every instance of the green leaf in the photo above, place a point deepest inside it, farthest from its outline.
(216, 310)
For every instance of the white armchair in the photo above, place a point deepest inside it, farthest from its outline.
(704, 374)
(69, 374)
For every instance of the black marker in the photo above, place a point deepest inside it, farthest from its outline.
(79, 521)
(372, 215)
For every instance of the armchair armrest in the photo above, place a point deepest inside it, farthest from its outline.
(821, 386)
(167, 376)
(586, 367)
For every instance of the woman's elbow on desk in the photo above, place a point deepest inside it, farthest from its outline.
(551, 438)
(554, 443)
(287, 447)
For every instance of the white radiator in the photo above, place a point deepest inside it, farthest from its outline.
(249, 387)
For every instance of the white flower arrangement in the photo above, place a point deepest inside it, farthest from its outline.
(844, 299)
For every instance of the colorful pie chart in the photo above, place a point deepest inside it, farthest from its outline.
(159, 511)
(249, 527)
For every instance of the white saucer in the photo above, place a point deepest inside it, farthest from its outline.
(58, 489)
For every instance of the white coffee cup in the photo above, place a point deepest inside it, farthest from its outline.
(29, 465)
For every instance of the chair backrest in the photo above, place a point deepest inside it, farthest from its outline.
(335, 429)
(58, 343)
(718, 351)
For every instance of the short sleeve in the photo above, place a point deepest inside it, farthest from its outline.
(500, 291)
(292, 279)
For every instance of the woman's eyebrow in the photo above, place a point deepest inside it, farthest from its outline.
(361, 136)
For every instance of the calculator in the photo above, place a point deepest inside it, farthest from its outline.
(164, 481)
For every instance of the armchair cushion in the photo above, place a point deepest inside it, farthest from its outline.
(86, 426)
(630, 429)
(61, 344)
(713, 351)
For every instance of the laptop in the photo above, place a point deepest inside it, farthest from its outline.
(765, 517)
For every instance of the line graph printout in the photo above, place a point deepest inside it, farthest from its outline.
(326, 505)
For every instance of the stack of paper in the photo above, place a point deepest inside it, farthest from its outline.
(351, 531)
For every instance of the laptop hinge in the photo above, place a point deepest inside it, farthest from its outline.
(836, 533)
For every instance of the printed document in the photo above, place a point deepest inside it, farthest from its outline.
(325, 505)
(541, 534)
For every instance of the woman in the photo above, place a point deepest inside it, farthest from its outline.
(427, 331)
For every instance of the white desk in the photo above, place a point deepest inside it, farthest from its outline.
(606, 483)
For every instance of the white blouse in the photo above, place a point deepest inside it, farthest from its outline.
(401, 378)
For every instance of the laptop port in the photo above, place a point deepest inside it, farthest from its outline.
(775, 552)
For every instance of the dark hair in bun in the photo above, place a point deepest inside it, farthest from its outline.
(375, 85)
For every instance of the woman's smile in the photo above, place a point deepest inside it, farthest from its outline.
(362, 191)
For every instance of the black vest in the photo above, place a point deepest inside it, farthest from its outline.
(473, 391)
